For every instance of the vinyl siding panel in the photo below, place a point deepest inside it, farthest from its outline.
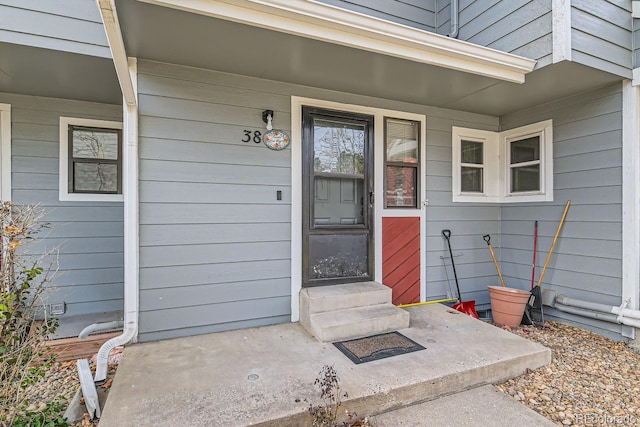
(70, 25)
(87, 236)
(587, 259)
(214, 241)
(521, 27)
(413, 13)
(601, 35)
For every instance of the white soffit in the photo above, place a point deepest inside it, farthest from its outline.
(331, 24)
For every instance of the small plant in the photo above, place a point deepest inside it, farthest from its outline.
(326, 414)
(51, 416)
(24, 325)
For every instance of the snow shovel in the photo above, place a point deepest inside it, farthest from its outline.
(487, 238)
(533, 310)
(466, 307)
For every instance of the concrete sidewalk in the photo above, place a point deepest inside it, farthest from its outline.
(264, 376)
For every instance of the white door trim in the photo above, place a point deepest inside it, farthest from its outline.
(296, 188)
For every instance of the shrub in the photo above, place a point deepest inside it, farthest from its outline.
(24, 324)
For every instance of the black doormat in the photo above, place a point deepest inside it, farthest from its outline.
(363, 350)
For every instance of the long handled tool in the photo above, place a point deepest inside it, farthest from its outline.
(467, 307)
(534, 311)
(487, 238)
(553, 244)
(535, 251)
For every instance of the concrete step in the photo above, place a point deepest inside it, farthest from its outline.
(357, 322)
(337, 297)
(485, 405)
(265, 377)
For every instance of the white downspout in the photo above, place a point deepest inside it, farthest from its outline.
(126, 69)
(455, 16)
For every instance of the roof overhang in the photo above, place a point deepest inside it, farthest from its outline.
(318, 21)
(176, 36)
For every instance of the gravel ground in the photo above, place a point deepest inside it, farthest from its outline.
(61, 383)
(591, 380)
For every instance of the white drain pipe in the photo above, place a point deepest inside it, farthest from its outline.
(126, 70)
(607, 313)
(455, 15)
(103, 326)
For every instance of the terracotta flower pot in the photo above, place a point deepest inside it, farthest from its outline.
(507, 305)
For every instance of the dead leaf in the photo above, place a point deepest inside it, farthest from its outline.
(107, 383)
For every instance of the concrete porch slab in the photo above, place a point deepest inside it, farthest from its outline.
(264, 376)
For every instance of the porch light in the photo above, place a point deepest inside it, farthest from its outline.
(267, 117)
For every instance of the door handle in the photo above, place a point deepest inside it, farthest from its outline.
(371, 197)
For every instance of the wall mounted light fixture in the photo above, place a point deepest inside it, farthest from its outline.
(267, 117)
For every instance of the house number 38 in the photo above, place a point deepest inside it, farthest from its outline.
(255, 136)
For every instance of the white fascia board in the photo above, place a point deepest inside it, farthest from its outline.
(331, 24)
(116, 44)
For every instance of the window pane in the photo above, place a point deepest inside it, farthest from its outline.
(338, 255)
(338, 201)
(472, 152)
(95, 144)
(401, 186)
(525, 178)
(338, 147)
(525, 150)
(402, 141)
(471, 180)
(95, 177)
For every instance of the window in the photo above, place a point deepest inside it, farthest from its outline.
(502, 167)
(90, 160)
(401, 163)
(471, 166)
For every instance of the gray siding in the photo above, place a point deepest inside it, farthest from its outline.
(215, 242)
(587, 260)
(69, 25)
(521, 27)
(89, 236)
(601, 35)
(413, 13)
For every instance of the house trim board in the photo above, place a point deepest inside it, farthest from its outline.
(635, 9)
(116, 45)
(296, 189)
(332, 24)
(5, 152)
(561, 29)
(631, 195)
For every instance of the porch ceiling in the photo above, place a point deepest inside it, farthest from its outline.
(168, 35)
(28, 70)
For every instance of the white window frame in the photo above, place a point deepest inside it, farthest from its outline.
(490, 173)
(5, 152)
(64, 193)
(497, 164)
